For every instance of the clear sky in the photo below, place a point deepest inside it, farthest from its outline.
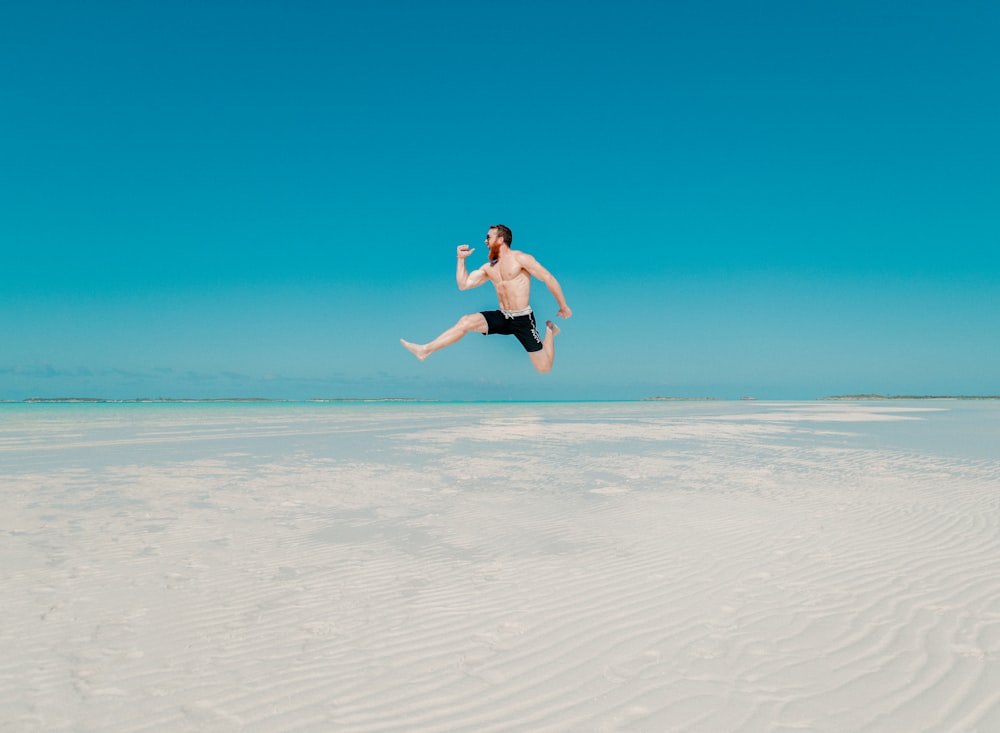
(774, 199)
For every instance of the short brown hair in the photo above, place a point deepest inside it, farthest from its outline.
(504, 233)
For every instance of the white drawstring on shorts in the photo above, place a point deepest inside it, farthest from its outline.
(515, 314)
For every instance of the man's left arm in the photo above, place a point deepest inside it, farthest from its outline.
(534, 267)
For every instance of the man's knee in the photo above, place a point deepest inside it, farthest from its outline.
(541, 362)
(472, 322)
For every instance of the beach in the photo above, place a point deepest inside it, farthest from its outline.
(640, 566)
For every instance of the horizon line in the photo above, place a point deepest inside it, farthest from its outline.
(251, 400)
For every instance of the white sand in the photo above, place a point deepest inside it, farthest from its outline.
(596, 567)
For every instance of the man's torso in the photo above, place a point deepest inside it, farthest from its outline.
(511, 280)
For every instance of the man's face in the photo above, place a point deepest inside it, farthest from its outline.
(493, 241)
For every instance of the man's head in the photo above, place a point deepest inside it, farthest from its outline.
(496, 237)
(504, 233)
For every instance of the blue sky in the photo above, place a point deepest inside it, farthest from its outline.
(776, 199)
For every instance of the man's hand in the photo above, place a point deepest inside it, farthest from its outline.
(564, 312)
(464, 251)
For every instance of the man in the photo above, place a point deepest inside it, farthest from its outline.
(510, 271)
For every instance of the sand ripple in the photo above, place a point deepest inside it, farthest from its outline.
(529, 568)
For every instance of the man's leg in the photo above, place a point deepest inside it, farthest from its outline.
(543, 359)
(466, 324)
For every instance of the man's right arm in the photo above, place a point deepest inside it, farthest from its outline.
(465, 279)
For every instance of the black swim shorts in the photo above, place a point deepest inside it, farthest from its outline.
(522, 326)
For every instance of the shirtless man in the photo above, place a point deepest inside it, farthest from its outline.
(510, 272)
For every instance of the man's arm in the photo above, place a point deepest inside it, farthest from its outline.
(465, 279)
(535, 268)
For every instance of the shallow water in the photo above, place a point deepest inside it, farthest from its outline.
(93, 435)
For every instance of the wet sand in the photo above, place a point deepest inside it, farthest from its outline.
(500, 567)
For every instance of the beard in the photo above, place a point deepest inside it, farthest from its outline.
(495, 252)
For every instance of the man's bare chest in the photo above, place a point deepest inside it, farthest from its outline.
(508, 275)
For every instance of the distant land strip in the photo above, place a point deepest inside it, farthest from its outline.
(181, 400)
(910, 397)
(103, 400)
(681, 399)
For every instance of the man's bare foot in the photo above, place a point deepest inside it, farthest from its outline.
(553, 328)
(416, 349)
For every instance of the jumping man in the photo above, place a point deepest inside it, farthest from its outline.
(510, 272)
